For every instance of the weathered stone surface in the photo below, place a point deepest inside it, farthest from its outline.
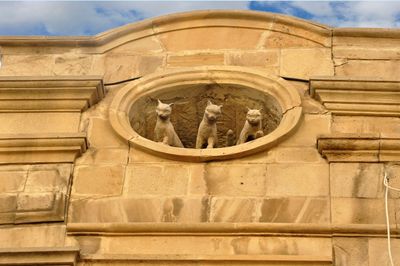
(360, 211)
(255, 59)
(34, 123)
(297, 180)
(98, 180)
(101, 135)
(198, 185)
(148, 179)
(12, 181)
(283, 40)
(8, 202)
(72, 64)
(233, 210)
(295, 210)
(358, 180)
(28, 65)
(195, 60)
(350, 251)
(35, 201)
(304, 63)
(384, 69)
(236, 179)
(378, 251)
(40, 236)
(144, 45)
(385, 126)
(104, 156)
(297, 155)
(205, 38)
(311, 126)
(45, 180)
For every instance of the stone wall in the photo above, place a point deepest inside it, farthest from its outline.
(314, 198)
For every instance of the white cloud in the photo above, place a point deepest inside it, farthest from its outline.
(83, 18)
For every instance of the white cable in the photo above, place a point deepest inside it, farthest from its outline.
(387, 187)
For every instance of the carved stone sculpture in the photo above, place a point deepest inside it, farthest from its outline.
(164, 131)
(207, 133)
(230, 138)
(252, 128)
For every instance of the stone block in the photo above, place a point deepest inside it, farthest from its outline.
(35, 201)
(311, 126)
(350, 251)
(254, 59)
(385, 126)
(361, 211)
(283, 40)
(139, 156)
(148, 44)
(35, 123)
(103, 156)
(304, 63)
(102, 135)
(235, 179)
(382, 69)
(207, 39)
(185, 210)
(146, 179)
(298, 155)
(198, 185)
(98, 180)
(378, 251)
(8, 202)
(116, 210)
(358, 180)
(44, 180)
(72, 64)
(295, 210)
(311, 180)
(195, 60)
(12, 181)
(27, 65)
(33, 236)
(233, 210)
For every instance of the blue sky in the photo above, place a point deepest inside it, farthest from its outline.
(59, 18)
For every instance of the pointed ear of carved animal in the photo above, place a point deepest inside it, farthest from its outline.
(260, 109)
(248, 109)
(171, 104)
(209, 103)
(159, 102)
(220, 106)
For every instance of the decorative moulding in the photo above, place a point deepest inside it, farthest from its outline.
(286, 97)
(251, 20)
(66, 256)
(359, 148)
(35, 148)
(68, 93)
(227, 229)
(351, 96)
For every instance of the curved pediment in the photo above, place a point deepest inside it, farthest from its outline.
(231, 29)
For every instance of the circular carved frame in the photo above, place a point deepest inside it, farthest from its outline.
(286, 96)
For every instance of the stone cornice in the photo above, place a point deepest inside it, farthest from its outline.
(227, 229)
(359, 148)
(49, 148)
(39, 256)
(367, 32)
(197, 19)
(356, 96)
(68, 93)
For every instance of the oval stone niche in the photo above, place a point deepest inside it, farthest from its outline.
(133, 116)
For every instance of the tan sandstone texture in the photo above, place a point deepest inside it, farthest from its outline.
(83, 183)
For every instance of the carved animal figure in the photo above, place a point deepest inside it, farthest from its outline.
(230, 138)
(164, 131)
(207, 133)
(252, 128)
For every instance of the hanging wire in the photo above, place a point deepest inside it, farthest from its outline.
(387, 187)
(121, 81)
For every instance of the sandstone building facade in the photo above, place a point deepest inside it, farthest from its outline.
(82, 183)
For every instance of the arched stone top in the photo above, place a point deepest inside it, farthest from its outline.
(236, 19)
(287, 98)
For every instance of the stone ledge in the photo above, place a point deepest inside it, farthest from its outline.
(359, 148)
(227, 229)
(357, 96)
(37, 148)
(302, 259)
(68, 93)
(39, 256)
